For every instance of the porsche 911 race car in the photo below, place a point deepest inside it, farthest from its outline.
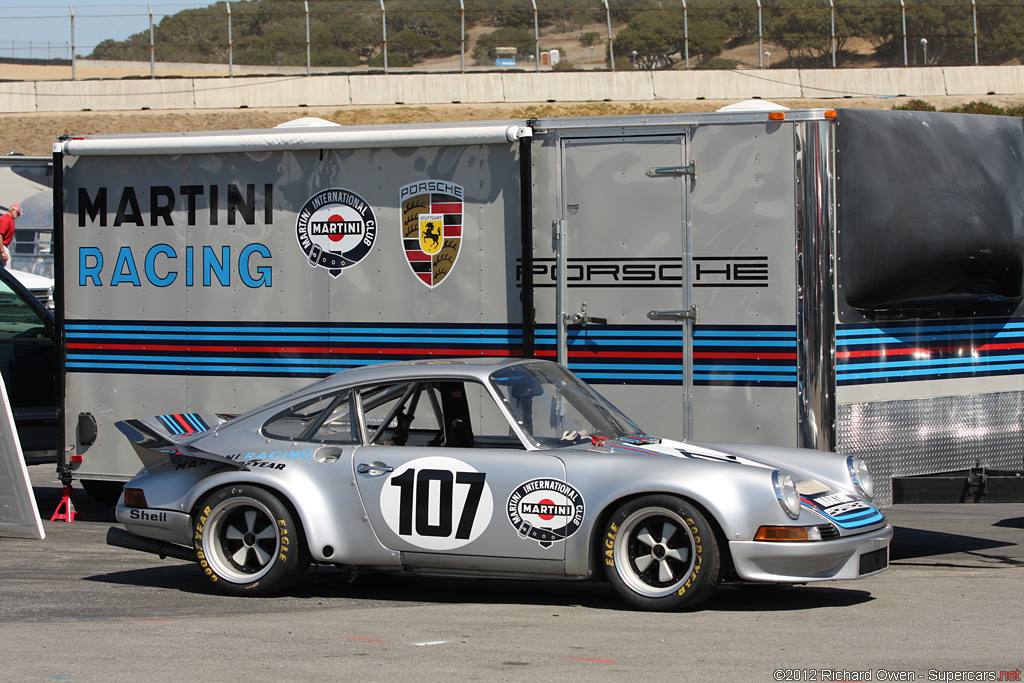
(511, 468)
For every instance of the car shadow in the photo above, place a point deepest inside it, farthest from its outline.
(910, 544)
(324, 585)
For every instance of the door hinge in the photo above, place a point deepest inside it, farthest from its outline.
(683, 314)
(670, 171)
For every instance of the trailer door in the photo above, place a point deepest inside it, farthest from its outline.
(622, 252)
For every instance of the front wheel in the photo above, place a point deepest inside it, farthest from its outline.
(248, 543)
(661, 554)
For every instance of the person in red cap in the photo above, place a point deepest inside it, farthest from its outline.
(7, 233)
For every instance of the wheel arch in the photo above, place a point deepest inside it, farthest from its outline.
(273, 490)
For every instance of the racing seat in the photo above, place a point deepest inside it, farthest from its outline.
(457, 425)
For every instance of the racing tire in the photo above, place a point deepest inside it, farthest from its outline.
(661, 554)
(248, 542)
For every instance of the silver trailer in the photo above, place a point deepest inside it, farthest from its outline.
(848, 280)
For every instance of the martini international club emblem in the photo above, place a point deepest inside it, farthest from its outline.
(545, 510)
(431, 228)
(336, 229)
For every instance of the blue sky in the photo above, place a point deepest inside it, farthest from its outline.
(43, 31)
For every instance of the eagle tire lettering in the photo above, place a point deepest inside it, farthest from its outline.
(247, 541)
(661, 553)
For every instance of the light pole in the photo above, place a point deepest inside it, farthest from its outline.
(767, 59)
(924, 50)
(633, 55)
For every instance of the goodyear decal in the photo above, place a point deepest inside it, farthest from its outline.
(336, 229)
(545, 510)
(845, 510)
(431, 228)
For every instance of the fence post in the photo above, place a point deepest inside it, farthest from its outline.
(974, 13)
(686, 37)
(305, 7)
(832, 8)
(462, 49)
(71, 9)
(384, 33)
(903, 11)
(536, 37)
(760, 37)
(611, 51)
(231, 45)
(152, 46)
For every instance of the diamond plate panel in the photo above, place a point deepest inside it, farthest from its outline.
(925, 436)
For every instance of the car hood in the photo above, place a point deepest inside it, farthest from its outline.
(820, 494)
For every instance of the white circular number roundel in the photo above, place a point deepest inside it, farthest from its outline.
(437, 503)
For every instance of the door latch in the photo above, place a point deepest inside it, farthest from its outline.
(684, 314)
(582, 318)
(673, 171)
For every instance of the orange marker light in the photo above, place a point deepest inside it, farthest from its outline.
(776, 116)
(831, 113)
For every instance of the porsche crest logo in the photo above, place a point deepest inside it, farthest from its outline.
(431, 228)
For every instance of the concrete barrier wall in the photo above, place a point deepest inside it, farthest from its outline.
(512, 87)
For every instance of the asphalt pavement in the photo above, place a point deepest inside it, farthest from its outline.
(73, 608)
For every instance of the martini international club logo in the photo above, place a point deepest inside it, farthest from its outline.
(336, 229)
(545, 510)
(431, 228)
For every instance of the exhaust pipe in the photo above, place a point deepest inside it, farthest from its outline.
(125, 539)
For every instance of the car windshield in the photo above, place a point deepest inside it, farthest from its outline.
(554, 408)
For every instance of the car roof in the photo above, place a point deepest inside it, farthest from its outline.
(474, 368)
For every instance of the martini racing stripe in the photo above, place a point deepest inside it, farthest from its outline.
(928, 350)
(279, 350)
(183, 424)
(653, 354)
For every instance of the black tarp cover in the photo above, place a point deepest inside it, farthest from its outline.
(930, 213)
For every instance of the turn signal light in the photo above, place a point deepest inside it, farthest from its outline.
(787, 534)
(776, 116)
(831, 113)
(135, 498)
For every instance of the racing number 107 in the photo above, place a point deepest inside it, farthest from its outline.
(415, 493)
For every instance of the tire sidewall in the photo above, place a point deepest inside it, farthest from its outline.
(287, 563)
(704, 575)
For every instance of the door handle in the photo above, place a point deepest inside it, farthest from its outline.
(374, 468)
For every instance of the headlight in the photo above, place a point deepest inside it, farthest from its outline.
(861, 477)
(785, 491)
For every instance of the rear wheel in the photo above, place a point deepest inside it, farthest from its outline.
(661, 554)
(248, 542)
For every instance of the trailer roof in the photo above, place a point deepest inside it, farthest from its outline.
(294, 137)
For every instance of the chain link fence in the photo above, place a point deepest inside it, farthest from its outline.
(344, 36)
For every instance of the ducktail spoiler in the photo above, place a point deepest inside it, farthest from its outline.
(154, 439)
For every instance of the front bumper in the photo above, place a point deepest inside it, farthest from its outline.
(850, 557)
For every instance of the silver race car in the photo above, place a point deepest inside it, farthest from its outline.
(511, 468)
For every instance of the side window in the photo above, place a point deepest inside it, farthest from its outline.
(326, 419)
(402, 414)
(490, 426)
(453, 414)
(18, 320)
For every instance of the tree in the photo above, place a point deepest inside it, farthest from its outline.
(520, 38)
(653, 37)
